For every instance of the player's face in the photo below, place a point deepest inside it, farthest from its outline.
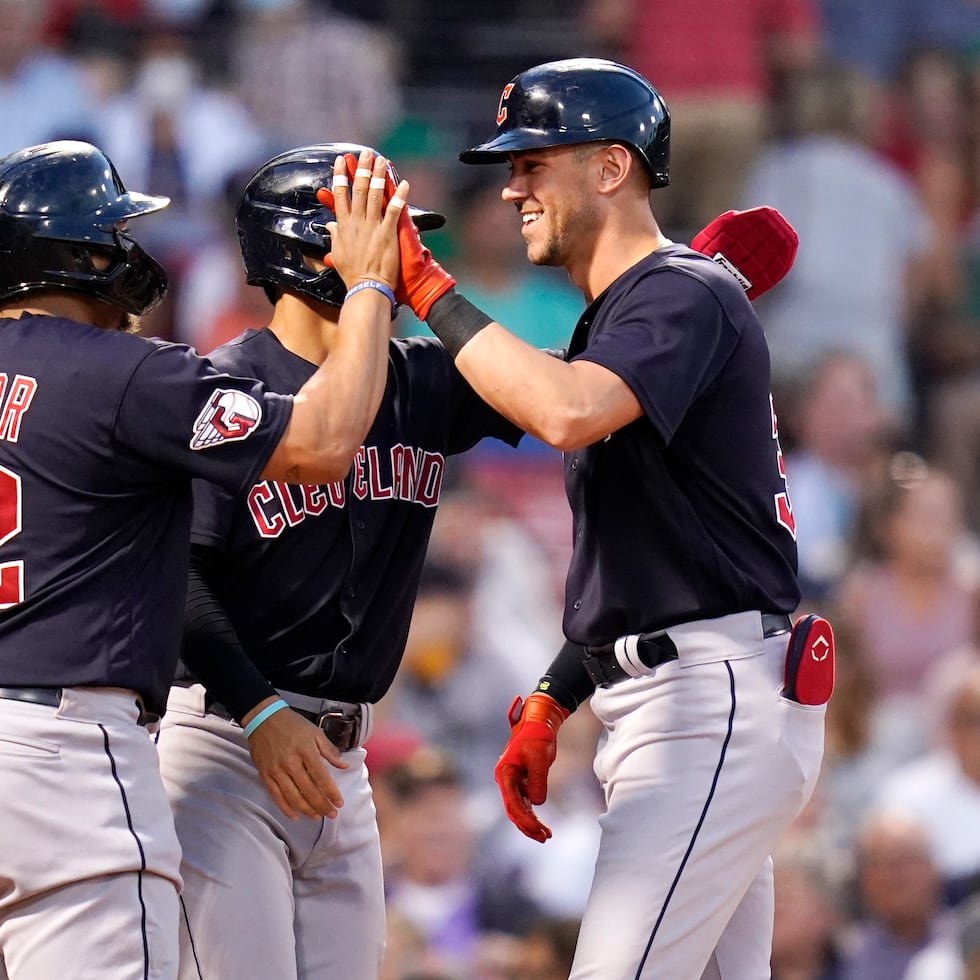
(559, 217)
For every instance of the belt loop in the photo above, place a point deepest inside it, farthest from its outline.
(367, 723)
(627, 653)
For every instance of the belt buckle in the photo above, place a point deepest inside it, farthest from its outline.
(342, 728)
(598, 668)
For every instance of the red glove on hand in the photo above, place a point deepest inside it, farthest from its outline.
(421, 280)
(757, 246)
(522, 770)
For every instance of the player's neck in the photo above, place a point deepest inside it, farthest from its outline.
(305, 327)
(610, 258)
(626, 233)
(69, 306)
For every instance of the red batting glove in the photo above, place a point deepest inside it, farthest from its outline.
(522, 770)
(421, 280)
(325, 195)
(757, 246)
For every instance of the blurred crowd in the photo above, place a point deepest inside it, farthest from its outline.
(859, 120)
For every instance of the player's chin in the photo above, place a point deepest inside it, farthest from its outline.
(538, 255)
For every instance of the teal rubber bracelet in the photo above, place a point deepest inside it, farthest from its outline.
(267, 712)
(372, 284)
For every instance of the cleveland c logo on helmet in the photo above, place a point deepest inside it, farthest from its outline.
(229, 416)
(501, 108)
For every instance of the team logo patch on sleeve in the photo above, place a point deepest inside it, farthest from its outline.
(229, 416)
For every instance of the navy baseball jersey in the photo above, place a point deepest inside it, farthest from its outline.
(100, 435)
(683, 514)
(351, 551)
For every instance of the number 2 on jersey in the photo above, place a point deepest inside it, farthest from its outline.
(11, 572)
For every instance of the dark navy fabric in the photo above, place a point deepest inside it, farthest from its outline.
(319, 582)
(684, 514)
(95, 499)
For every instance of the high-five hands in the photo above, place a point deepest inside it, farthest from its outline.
(422, 280)
(364, 243)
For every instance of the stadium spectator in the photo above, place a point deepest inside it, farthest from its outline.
(44, 95)
(900, 896)
(942, 788)
(717, 64)
(909, 592)
(857, 280)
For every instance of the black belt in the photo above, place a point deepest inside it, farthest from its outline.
(658, 648)
(51, 696)
(341, 722)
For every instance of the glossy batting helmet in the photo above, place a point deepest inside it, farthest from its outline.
(580, 100)
(60, 204)
(281, 223)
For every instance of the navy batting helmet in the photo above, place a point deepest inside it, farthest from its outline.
(580, 100)
(60, 204)
(281, 223)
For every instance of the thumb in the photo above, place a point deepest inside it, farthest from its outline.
(325, 196)
(538, 760)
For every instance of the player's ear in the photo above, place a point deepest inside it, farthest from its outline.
(616, 163)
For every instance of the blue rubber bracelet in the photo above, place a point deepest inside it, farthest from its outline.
(372, 284)
(267, 712)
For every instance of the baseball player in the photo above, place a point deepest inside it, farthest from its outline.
(101, 433)
(683, 573)
(299, 607)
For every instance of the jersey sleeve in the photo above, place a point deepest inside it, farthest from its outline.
(472, 419)
(667, 339)
(179, 412)
(214, 514)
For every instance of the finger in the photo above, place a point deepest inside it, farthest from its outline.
(377, 185)
(537, 786)
(326, 198)
(341, 187)
(528, 824)
(389, 183)
(397, 210)
(511, 782)
(522, 816)
(362, 181)
(277, 796)
(313, 782)
(331, 753)
(303, 795)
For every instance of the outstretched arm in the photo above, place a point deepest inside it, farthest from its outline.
(571, 404)
(333, 411)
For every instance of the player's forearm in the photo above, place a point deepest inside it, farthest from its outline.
(566, 405)
(211, 649)
(526, 385)
(334, 410)
(566, 679)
